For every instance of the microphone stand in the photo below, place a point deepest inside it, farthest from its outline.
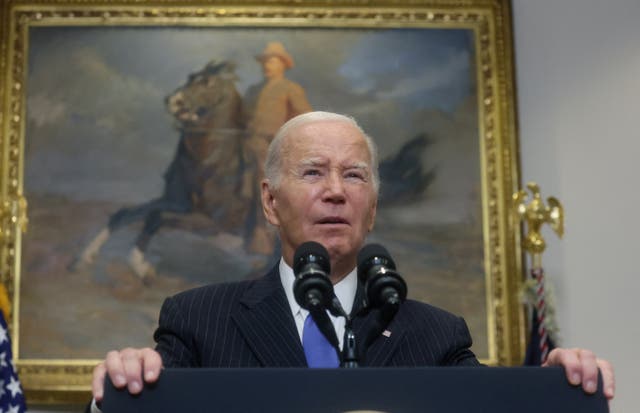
(349, 348)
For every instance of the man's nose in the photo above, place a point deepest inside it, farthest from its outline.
(334, 188)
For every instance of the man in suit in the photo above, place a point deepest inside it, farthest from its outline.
(320, 184)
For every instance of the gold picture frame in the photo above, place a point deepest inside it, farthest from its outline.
(487, 23)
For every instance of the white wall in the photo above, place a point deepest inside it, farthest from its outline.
(578, 80)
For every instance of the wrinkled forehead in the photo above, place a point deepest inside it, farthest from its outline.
(335, 141)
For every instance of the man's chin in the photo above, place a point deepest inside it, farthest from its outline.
(339, 243)
(340, 250)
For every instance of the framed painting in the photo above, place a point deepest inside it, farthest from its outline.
(127, 197)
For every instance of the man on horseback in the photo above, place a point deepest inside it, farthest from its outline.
(212, 184)
(268, 105)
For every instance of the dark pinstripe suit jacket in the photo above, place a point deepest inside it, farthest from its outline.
(249, 324)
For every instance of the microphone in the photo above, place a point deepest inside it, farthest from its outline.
(383, 286)
(312, 288)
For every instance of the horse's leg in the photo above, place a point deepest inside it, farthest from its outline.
(177, 198)
(92, 249)
(137, 261)
(140, 266)
(155, 220)
(119, 219)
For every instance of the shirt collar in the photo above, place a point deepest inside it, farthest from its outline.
(345, 289)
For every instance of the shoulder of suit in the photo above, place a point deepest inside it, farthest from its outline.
(212, 290)
(418, 308)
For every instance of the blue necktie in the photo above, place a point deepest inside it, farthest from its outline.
(317, 349)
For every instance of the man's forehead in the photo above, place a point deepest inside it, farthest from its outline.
(325, 137)
(323, 154)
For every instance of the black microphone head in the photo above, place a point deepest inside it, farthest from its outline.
(312, 288)
(371, 255)
(311, 252)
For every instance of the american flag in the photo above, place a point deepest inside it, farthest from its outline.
(11, 395)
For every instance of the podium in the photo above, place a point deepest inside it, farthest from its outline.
(392, 390)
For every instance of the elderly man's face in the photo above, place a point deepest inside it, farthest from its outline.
(326, 192)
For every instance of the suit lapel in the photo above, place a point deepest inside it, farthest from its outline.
(385, 338)
(266, 322)
(381, 351)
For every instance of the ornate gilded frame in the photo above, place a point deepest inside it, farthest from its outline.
(56, 380)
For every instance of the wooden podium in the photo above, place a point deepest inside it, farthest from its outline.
(392, 390)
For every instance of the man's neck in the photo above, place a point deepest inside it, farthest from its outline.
(339, 270)
(274, 78)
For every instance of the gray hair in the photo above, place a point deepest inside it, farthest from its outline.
(273, 161)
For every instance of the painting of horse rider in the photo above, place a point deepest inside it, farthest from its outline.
(217, 166)
(143, 158)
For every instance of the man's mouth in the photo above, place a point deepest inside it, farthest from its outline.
(333, 220)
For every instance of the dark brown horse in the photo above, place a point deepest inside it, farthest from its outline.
(203, 184)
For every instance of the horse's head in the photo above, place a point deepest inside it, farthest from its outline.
(208, 99)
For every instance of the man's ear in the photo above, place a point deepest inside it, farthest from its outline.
(269, 203)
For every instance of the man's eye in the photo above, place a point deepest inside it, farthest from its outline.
(355, 175)
(311, 172)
